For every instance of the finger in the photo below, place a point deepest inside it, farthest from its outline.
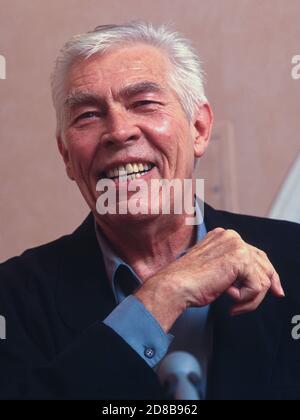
(223, 234)
(246, 292)
(257, 283)
(242, 308)
(276, 287)
(210, 237)
(242, 294)
(234, 293)
(267, 266)
(263, 284)
(214, 246)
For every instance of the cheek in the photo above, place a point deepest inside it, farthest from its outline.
(170, 136)
(81, 148)
(162, 127)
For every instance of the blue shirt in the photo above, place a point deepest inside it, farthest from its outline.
(136, 325)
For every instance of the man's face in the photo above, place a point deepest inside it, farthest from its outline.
(121, 110)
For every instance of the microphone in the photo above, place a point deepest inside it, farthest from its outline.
(181, 375)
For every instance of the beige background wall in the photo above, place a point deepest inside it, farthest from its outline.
(246, 47)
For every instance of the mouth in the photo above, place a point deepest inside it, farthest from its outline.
(128, 172)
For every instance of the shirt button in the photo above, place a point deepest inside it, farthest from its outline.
(149, 352)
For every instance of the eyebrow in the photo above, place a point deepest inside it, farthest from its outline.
(140, 87)
(83, 98)
(88, 98)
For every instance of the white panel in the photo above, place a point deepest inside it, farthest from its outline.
(287, 203)
(2, 67)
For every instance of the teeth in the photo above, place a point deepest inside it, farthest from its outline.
(129, 168)
(128, 171)
(133, 176)
(110, 173)
(122, 170)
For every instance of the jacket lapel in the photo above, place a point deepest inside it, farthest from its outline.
(84, 294)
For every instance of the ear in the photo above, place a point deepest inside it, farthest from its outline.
(65, 155)
(202, 126)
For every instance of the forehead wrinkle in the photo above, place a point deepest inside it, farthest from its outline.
(140, 87)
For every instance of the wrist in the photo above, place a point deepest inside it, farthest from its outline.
(163, 299)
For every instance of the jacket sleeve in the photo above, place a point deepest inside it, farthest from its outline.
(94, 364)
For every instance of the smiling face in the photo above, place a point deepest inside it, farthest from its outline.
(120, 110)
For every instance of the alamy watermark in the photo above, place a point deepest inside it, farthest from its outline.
(159, 196)
(296, 67)
(2, 67)
(2, 328)
(296, 328)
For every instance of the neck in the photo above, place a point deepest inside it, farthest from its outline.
(147, 246)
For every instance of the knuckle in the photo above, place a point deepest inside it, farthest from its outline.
(266, 283)
(243, 253)
(242, 247)
(263, 253)
(236, 241)
(232, 234)
(271, 272)
(258, 288)
(218, 230)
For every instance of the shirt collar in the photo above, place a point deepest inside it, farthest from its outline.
(112, 261)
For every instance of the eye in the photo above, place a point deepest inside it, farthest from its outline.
(87, 116)
(144, 103)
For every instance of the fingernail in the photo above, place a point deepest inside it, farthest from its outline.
(282, 292)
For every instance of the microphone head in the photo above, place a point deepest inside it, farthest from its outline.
(181, 374)
(179, 362)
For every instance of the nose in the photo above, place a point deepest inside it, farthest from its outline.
(121, 128)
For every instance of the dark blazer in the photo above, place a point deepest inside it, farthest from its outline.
(55, 297)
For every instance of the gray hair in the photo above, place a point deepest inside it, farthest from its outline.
(187, 76)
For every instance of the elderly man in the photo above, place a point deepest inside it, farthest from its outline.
(93, 314)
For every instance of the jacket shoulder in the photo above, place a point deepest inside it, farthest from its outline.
(45, 258)
(263, 224)
(276, 236)
(33, 267)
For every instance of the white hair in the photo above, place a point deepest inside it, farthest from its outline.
(186, 78)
